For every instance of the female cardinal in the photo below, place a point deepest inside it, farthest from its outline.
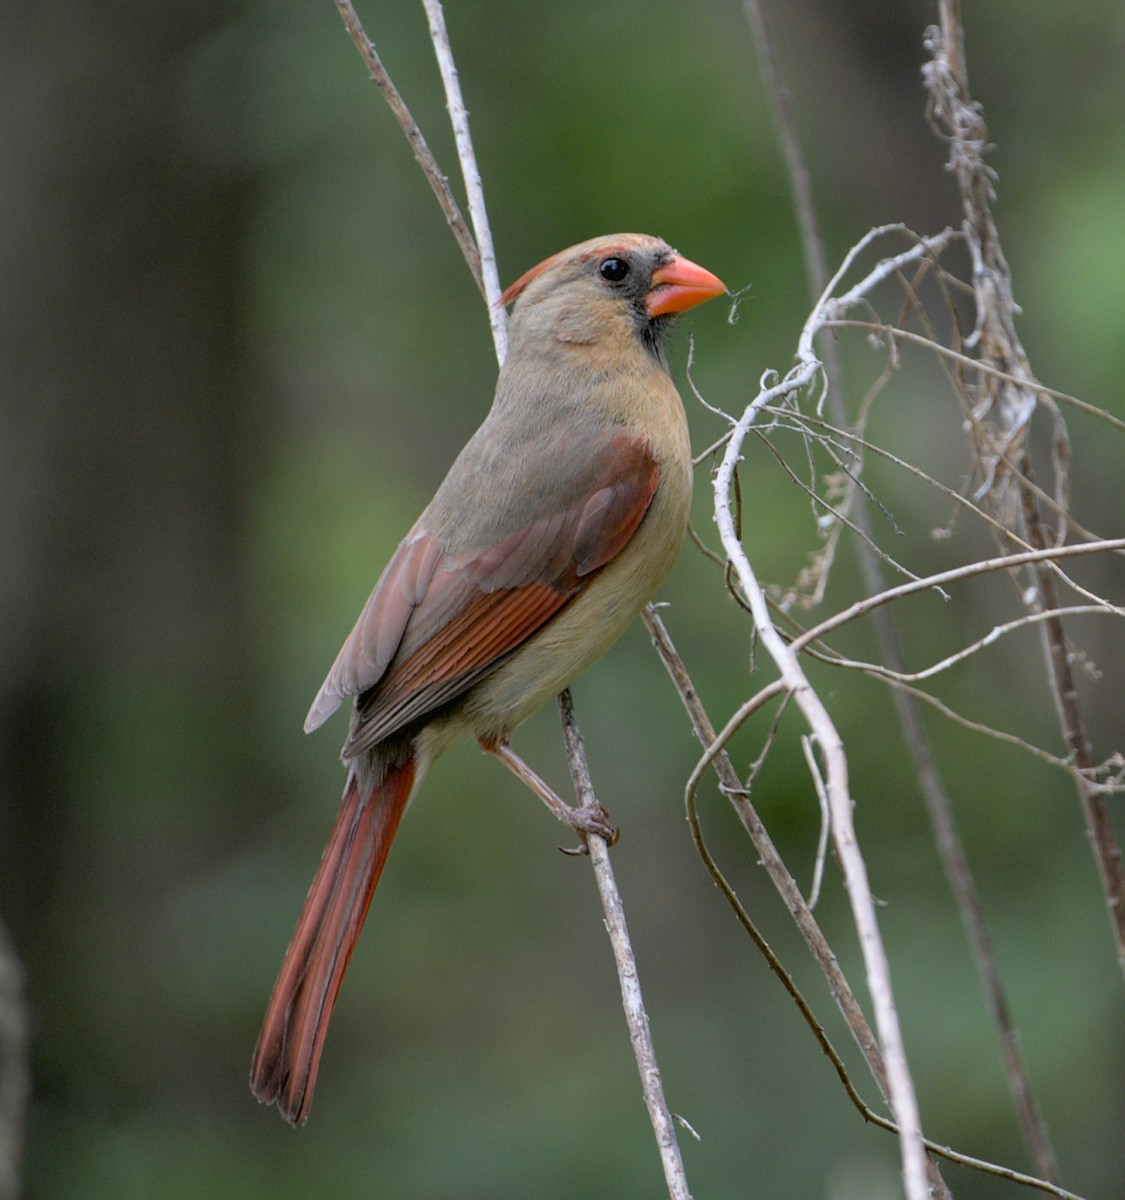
(553, 528)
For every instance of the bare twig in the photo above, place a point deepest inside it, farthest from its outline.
(631, 999)
(770, 859)
(809, 749)
(1111, 769)
(990, 638)
(1008, 407)
(1002, 563)
(458, 115)
(803, 423)
(984, 368)
(916, 740)
(901, 1087)
(422, 151)
(716, 755)
(830, 308)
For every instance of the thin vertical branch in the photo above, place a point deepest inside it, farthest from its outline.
(939, 809)
(900, 1083)
(1004, 408)
(632, 1001)
(771, 860)
(903, 1101)
(422, 152)
(459, 116)
(800, 181)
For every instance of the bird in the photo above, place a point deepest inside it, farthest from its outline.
(555, 525)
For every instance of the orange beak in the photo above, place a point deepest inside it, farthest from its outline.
(679, 285)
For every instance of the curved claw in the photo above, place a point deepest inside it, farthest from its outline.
(587, 820)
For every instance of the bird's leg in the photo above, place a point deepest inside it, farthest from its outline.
(589, 818)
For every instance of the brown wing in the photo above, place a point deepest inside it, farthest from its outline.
(437, 624)
(364, 657)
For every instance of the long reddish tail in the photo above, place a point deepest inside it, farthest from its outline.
(288, 1051)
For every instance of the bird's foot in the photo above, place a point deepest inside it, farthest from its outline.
(585, 819)
(590, 819)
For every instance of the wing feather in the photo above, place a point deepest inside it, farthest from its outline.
(438, 623)
(367, 653)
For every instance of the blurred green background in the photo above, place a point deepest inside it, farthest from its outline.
(239, 351)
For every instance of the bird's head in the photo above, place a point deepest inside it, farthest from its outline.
(606, 293)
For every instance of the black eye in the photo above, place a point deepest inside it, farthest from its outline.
(613, 270)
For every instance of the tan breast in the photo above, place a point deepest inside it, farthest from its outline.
(583, 631)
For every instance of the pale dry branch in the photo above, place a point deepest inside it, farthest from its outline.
(967, 145)
(937, 801)
(777, 399)
(989, 639)
(703, 455)
(954, 574)
(1111, 768)
(900, 1085)
(716, 755)
(984, 368)
(474, 188)
(952, 853)
(830, 307)
(632, 1000)
(799, 379)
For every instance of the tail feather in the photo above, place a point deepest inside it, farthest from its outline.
(287, 1055)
